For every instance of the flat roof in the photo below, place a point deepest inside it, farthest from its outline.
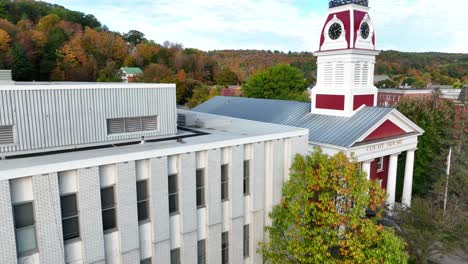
(80, 85)
(229, 132)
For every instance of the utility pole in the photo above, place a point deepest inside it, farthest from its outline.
(447, 181)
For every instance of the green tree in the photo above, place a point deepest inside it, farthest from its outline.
(202, 94)
(134, 37)
(435, 116)
(387, 84)
(322, 216)
(22, 68)
(282, 82)
(226, 77)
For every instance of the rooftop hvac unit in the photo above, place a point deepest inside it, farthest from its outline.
(186, 119)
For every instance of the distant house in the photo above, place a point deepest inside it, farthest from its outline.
(232, 90)
(129, 74)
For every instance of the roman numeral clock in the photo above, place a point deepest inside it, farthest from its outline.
(345, 60)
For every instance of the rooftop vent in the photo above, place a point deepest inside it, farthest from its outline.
(186, 119)
(5, 76)
(6, 135)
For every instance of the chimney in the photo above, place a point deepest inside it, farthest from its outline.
(5, 77)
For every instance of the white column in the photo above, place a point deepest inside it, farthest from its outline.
(366, 167)
(408, 183)
(392, 177)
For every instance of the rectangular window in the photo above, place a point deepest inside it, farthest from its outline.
(380, 164)
(25, 230)
(225, 248)
(246, 177)
(246, 241)
(175, 256)
(173, 194)
(132, 124)
(200, 188)
(142, 200)
(145, 261)
(224, 183)
(108, 208)
(201, 249)
(70, 224)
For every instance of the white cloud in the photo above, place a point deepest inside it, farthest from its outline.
(409, 25)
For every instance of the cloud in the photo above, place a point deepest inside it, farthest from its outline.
(409, 25)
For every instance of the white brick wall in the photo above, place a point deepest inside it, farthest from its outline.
(213, 184)
(236, 241)
(7, 226)
(159, 202)
(213, 244)
(127, 212)
(89, 206)
(162, 252)
(188, 249)
(187, 193)
(269, 167)
(236, 181)
(48, 218)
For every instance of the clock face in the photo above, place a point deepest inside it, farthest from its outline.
(334, 32)
(365, 30)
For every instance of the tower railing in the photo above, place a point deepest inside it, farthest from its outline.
(335, 3)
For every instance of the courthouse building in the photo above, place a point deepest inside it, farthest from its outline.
(343, 113)
(102, 173)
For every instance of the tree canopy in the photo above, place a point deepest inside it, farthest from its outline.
(322, 216)
(435, 115)
(282, 82)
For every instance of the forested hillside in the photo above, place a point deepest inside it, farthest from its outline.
(42, 42)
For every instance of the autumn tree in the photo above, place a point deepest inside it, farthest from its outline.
(435, 115)
(278, 82)
(322, 216)
(202, 94)
(157, 73)
(226, 77)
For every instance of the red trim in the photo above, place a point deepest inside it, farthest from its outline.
(358, 17)
(328, 101)
(380, 175)
(387, 129)
(345, 17)
(359, 100)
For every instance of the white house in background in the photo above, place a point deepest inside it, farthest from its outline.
(342, 114)
(129, 74)
(102, 173)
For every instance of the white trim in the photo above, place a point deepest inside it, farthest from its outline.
(146, 151)
(83, 86)
(404, 121)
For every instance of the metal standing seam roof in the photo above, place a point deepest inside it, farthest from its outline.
(132, 70)
(332, 130)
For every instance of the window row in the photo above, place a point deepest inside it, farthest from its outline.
(173, 188)
(201, 249)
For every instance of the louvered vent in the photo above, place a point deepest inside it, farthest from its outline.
(357, 74)
(339, 74)
(132, 124)
(181, 120)
(365, 74)
(6, 135)
(328, 74)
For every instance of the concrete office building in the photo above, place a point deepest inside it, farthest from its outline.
(101, 173)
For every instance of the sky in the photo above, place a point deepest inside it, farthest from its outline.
(286, 25)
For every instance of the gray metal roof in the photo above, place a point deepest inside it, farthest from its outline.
(325, 129)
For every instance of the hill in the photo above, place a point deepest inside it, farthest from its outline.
(41, 41)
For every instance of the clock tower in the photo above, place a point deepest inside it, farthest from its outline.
(345, 60)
